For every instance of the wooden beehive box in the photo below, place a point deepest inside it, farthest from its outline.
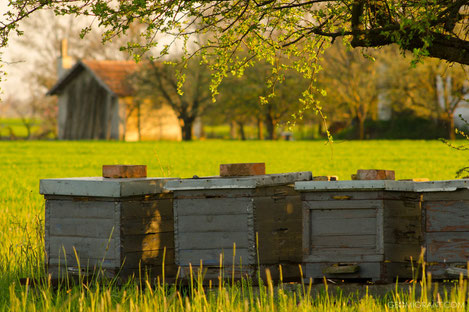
(212, 214)
(360, 229)
(117, 225)
(446, 216)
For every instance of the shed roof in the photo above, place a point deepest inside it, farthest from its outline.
(111, 75)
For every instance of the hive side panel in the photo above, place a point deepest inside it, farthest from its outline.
(148, 236)
(82, 233)
(206, 227)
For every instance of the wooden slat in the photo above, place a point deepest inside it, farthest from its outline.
(81, 227)
(447, 216)
(212, 240)
(402, 208)
(343, 241)
(444, 196)
(342, 196)
(85, 262)
(86, 247)
(150, 257)
(403, 230)
(344, 213)
(135, 243)
(349, 226)
(447, 246)
(211, 257)
(402, 252)
(161, 208)
(344, 204)
(81, 209)
(146, 226)
(213, 223)
(213, 206)
(213, 193)
(345, 255)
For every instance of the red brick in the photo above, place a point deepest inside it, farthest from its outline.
(243, 169)
(124, 171)
(375, 174)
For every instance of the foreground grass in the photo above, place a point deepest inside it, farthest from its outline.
(22, 164)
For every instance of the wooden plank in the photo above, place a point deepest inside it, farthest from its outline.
(447, 216)
(134, 243)
(211, 257)
(343, 241)
(402, 252)
(81, 227)
(342, 196)
(47, 231)
(278, 224)
(402, 208)
(148, 258)
(85, 262)
(346, 255)
(461, 194)
(403, 230)
(447, 246)
(366, 270)
(86, 247)
(146, 226)
(344, 213)
(212, 240)
(350, 226)
(214, 193)
(347, 204)
(213, 223)
(161, 208)
(81, 209)
(275, 191)
(213, 206)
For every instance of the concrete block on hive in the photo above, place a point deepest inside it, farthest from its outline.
(124, 171)
(326, 178)
(375, 174)
(242, 169)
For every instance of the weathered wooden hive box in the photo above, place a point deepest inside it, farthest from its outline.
(446, 214)
(117, 225)
(213, 214)
(360, 229)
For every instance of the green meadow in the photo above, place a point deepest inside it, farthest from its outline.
(24, 163)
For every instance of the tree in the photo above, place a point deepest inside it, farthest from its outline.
(351, 81)
(269, 29)
(159, 81)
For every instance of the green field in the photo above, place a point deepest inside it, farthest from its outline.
(23, 163)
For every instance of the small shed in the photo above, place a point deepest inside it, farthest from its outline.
(118, 227)
(241, 223)
(95, 101)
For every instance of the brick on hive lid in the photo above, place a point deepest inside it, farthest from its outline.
(242, 169)
(124, 171)
(375, 174)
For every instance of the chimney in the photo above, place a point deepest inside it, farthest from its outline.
(64, 62)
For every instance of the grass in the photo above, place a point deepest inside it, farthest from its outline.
(23, 163)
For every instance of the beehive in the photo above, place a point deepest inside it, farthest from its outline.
(446, 216)
(360, 229)
(253, 222)
(115, 226)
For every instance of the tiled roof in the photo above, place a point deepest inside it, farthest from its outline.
(114, 74)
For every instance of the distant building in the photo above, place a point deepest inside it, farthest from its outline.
(96, 102)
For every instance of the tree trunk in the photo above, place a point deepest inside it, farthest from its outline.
(241, 131)
(361, 128)
(270, 125)
(186, 130)
(452, 134)
(232, 129)
(260, 129)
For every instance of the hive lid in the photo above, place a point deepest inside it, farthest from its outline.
(103, 187)
(441, 186)
(364, 185)
(250, 182)
(387, 185)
